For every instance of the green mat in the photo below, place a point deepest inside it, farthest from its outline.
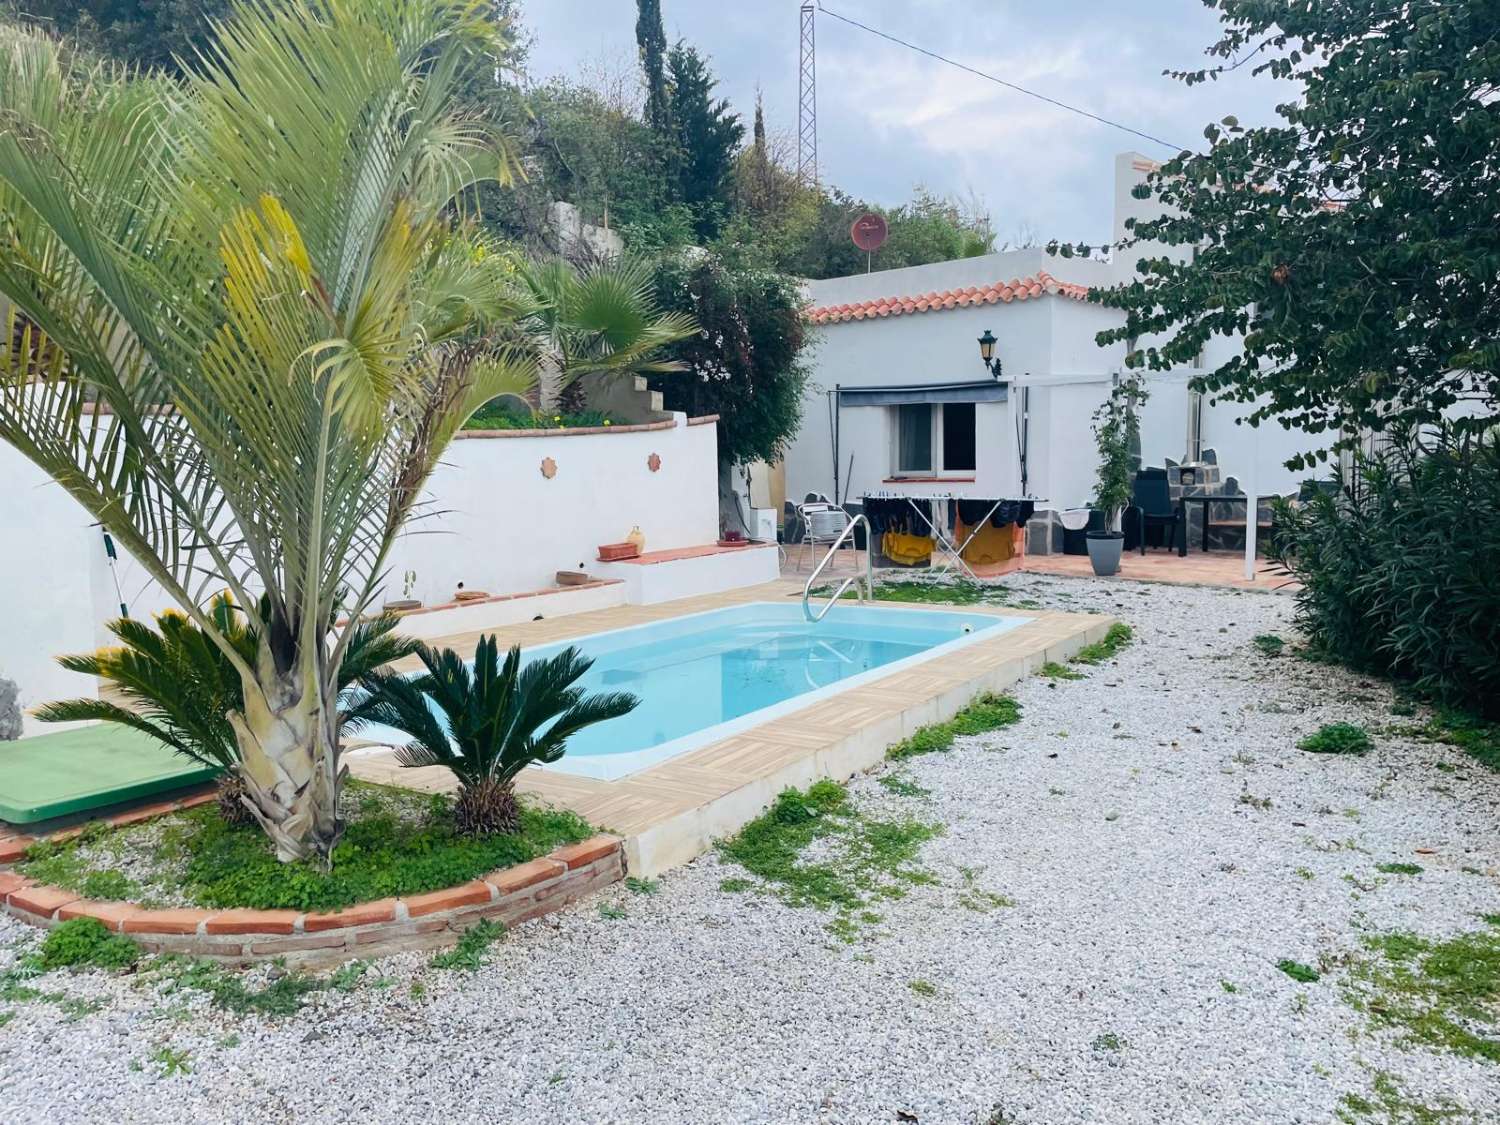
(74, 771)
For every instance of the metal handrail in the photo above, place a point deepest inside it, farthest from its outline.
(866, 595)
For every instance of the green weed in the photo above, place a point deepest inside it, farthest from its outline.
(1269, 644)
(1398, 868)
(642, 886)
(871, 858)
(1440, 994)
(985, 712)
(473, 943)
(1052, 670)
(1304, 974)
(1118, 637)
(86, 943)
(903, 787)
(1337, 738)
(922, 987)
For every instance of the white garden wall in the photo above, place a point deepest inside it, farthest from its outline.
(497, 523)
(493, 521)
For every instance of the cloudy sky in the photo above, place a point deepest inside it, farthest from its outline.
(889, 118)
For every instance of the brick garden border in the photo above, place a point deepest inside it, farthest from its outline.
(241, 936)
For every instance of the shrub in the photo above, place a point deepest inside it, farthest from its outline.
(1398, 567)
(86, 943)
(10, 711)
(1337, 738)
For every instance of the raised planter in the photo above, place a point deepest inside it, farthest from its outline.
(614, 552)
(573, 578)
(240, 936)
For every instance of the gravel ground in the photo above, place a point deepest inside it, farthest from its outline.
(1126, 817)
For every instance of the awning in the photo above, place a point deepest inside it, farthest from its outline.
(987, 390)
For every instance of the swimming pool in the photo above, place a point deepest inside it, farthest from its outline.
(705, 676)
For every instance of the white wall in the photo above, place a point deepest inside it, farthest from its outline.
(48, 555)
(499, 525)
(1041, 340)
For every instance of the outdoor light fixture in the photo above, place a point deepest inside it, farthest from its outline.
(987, 353)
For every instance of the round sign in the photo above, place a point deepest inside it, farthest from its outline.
(869, 231)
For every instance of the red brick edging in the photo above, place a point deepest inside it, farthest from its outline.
(512, 895)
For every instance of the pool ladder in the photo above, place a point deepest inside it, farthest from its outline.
(864, 595)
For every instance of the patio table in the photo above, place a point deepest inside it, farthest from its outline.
(1206, 499)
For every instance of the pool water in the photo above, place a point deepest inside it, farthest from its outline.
(705, 676)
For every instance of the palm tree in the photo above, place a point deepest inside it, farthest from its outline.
(488, 723)
(175, 684)
(598, 319)
(246, 313)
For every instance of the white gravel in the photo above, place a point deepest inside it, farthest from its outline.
(1139, 888)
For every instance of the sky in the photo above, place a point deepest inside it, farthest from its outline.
(890, 119)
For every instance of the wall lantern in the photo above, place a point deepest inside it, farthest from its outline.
(987, 353)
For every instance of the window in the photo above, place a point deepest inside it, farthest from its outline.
(914, 443)
(958, 436)
(935, 439)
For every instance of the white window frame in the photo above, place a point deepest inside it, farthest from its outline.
(935, 419)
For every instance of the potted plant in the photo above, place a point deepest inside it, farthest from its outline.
(733, 537)
(1117, 435)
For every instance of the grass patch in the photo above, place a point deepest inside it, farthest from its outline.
(228, 990)
(1118, 637)
(1440, 994)
(504, 415)
(1109, 1041)
(1471, 734)
(1268, 644)
(640, 886)
(1337, 738)
(473, 943)
(382, 854)
(1052, 670)
(962, 592)
(868, 859)
(83, 943)
(1398, 868)
(611, 912)
(1391, 1104)
(922, 987)
(985, 712)
(1304, 974)
(902, 786)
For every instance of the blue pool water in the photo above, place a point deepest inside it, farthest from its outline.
(706, 676)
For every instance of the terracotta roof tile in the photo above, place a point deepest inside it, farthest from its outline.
(1016, 289)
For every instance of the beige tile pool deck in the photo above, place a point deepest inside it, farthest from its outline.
(671, 812)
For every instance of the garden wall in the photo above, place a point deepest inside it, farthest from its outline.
(503, 513)
(369, 929)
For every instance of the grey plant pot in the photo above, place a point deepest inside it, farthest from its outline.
(1105, 548)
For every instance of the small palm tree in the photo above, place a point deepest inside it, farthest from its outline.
(175, 684)
(600, 319)
(487, 723)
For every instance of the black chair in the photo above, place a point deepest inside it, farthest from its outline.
(1154, 508)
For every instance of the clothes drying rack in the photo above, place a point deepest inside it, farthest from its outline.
(944, 542)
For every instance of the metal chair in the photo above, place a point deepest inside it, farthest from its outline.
(1152, 501)
(822, 523)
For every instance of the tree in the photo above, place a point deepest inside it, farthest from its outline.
(148, 33)
(707, 133)
(245, 320)
(180, 686)
(651, 40)
(1353, 244)
(488, 720)
(601, 319)
(744, 364)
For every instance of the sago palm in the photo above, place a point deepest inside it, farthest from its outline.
(488, 722)
(599, 319)
(175, 684)
(244, 318)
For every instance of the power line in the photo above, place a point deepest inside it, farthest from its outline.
(999, 81)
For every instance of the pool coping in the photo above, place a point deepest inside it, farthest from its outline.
(671, 812)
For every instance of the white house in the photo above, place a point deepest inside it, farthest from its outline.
(901, 401)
